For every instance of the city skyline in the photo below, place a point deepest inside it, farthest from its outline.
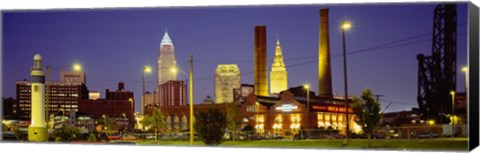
(93, 37)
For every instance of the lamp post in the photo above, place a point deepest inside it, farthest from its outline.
(77, 67)
(453, 114)
(345, 26)
(307, 88)
(63, 115)
(146, 69)
(465, 70)
(132, 113)
(190, 93)
(105, 122)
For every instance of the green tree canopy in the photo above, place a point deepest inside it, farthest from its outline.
(232, 114)
(367, 110)
(154, 121)
(210, 126)
(66, 133)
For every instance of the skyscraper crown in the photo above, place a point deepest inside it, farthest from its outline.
(166, 39)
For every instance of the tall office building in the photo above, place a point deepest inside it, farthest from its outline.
(166, 61)
(73, 76)
(63, 97)
(278, 74)
(227, 78)
(172, 93)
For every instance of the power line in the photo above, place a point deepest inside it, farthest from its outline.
(397, 102)
(381, 46)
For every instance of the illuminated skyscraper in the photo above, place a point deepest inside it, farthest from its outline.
(227, 78)
(278, 74)
(166, 61)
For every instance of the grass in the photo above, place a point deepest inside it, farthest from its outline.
(416, 144)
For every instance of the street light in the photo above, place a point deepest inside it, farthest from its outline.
(77, 67)
(465, 70)
(63, 115)
(190, 93)
(148, 70)
(453, 113)
(104, 122)
(133, 110)
(307, 88)
(345, 26)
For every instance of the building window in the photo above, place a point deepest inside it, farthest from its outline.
(176, 122)
(277, 126)
(295, 126)
(259, 127)
(169, 123)
(35, 88)
(184, 122)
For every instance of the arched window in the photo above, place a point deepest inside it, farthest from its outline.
(277, 126)
(184, 122)
(176, 122)
(169, 123)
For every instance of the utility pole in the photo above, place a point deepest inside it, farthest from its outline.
(378, 97)
(191, 99)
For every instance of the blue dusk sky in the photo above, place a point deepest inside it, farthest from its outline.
(114, 44)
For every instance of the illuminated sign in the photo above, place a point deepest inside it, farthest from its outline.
(331, 108)
(287, 107)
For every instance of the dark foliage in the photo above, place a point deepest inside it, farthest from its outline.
(66, 133)
(210, 126)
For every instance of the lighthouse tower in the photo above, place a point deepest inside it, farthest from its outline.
(37, 131)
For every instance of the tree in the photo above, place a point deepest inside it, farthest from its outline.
(367, 110)
(20, 134)
(210, 126)
(154, 121)
(92, 138)
(232, 115)
(111, 125)
(66, 133)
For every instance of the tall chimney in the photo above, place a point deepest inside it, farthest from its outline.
(324, 70)
(260, 61)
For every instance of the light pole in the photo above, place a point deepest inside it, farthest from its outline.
(132, 113)
(307, 88)
(345, 26)
(453, 114)
(465, 70)
(191, 99)
(190, 93)
(77, 67)
(146, 69)
(63, 115)
(105, 122)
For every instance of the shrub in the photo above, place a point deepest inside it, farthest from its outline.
(210, 126)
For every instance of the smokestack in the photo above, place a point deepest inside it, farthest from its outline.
(324, 70)
(260, 61)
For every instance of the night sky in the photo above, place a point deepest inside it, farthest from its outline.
(114, 44)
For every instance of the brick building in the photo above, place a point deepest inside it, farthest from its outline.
(61, 97)
(118, 105)
(172, 93)
(273, 115)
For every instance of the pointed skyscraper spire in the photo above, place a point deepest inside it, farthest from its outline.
(278, 73)
(166, 60)
(166, 39)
